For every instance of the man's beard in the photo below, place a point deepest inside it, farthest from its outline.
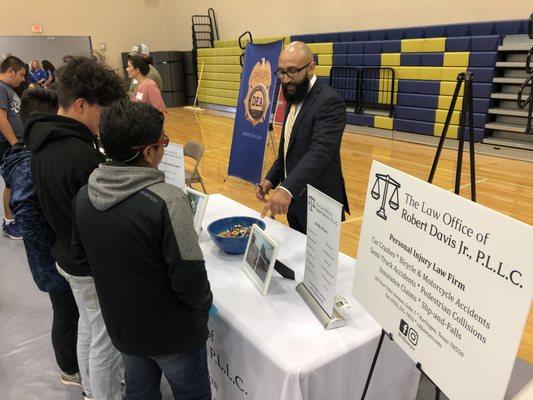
(299, 94)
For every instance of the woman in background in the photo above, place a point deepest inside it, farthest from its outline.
(147, 90)
(50, 70)
(37, 74)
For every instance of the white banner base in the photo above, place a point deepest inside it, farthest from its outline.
(327, 322)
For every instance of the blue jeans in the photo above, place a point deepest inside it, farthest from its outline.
(186, 372)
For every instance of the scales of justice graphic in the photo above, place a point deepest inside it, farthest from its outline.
(383, 182)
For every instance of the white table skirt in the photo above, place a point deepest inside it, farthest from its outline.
(274, 348)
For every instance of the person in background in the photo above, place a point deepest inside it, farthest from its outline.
(64, 154)
(146, 90)
(38, 75)
(137, 234)
(309, 149)
(153, 74)
(12, 71)
(49, 67)
(38, 241)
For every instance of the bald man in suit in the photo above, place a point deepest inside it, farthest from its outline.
(309, 150)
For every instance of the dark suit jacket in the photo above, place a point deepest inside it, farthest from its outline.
(313, 156)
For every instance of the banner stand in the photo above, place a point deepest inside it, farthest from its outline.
(329, 323)
(374, 361)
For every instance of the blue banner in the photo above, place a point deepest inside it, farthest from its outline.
(256, 95)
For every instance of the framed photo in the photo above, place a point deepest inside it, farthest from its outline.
(259, 258)
(198, 202)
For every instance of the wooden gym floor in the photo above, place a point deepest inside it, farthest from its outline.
(503, 185)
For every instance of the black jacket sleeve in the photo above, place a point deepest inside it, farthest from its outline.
(186, 266)
(76, 245)
(325, 142)
(275, 174)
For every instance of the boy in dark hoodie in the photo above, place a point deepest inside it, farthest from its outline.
(137, 234)
(64, 153)
(39, 238)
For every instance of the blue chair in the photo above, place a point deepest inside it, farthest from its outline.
(340, 48)
(372, 60)
(481, 105)
(416, 32)
(458, 43)
(432, 59)
(482, 28)
(339, 59)
(356, 47)
(377, 34)
(456, 30)
(332, 37)
(435, 31)
(407, 99)
(483, 59)
(373, 47)
(427, 101)
(424, 128)
(360, 119)
(354, 60)
(404, 112)
(410, 59)
(480, 119)
(425, 114)
(346, 36)
(391, 46)
(319, 38)
(306, 38)
(360, 36)
(402, 125)
(482, 90)
(429, 87)
(486, 43)
(395, 34)
(407, 86)
(482, 74)
(508, 27)
(523, 28)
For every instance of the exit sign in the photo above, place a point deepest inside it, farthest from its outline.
(36, 28)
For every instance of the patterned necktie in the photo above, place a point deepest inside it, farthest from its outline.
(288, 129)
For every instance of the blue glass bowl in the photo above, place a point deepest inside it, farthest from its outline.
(236, 245)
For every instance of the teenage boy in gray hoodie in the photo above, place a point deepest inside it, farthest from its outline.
(136, 234)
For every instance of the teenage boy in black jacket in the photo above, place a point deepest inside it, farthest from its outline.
(137, 234)
(64, 153)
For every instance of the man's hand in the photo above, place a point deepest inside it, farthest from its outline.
(278, 203)
(262, 189)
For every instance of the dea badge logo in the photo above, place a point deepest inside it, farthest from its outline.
(256, 101)
(383, 182)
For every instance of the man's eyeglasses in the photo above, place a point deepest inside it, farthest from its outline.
(291, 72)
(164, 142)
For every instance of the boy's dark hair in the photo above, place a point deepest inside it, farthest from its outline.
(84, 78)
(124, 125)
(11, 62)
(40, 100)
(141, 64)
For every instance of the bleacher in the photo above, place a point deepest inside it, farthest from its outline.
(426, 62)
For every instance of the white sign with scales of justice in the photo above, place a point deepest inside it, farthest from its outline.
(376, 193)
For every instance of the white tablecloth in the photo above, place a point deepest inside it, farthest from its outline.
(274, 348)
